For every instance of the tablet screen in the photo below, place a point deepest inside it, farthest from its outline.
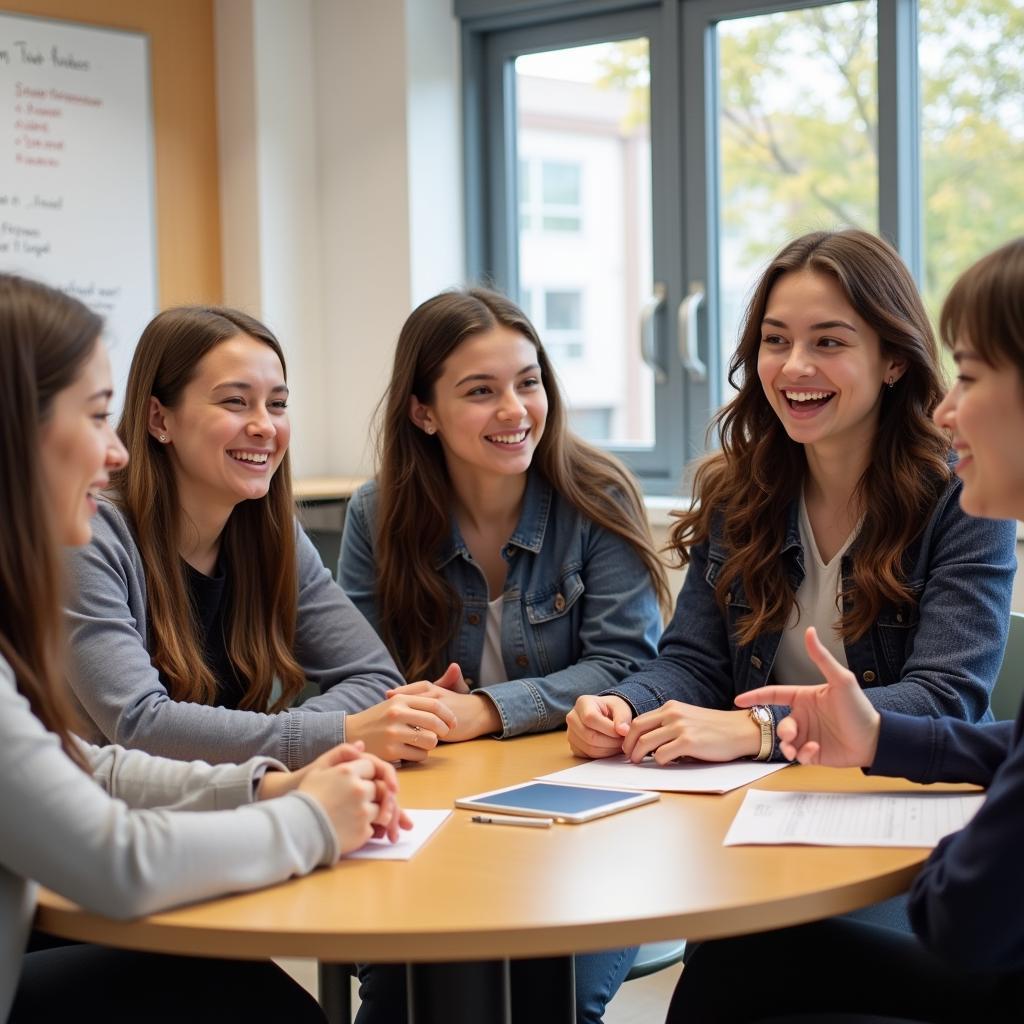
(558, 799)
(566, 803)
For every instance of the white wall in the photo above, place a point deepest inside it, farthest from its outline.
(342, 195)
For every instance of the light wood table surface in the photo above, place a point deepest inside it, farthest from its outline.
(326, 488)
(484, 891)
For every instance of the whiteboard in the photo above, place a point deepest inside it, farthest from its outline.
(76, 170)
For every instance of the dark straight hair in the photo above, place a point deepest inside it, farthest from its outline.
(46, 338)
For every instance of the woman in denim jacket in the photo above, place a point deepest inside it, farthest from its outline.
(495, 539)
(831, 504)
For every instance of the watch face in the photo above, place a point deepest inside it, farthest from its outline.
(763, 715)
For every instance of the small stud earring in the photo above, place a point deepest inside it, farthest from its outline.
(163, 437)
(430, 430)
(891, 382)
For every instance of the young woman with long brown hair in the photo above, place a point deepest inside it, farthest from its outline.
(69, 810)
(966, 960)
(496, 541)
(831, 503)
(201, 608)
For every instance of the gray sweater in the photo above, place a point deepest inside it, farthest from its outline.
(81, 838)
(123, 699)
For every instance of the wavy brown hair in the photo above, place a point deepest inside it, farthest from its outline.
(260, 617)
(46, 338)
(418, 610)
(985, 306)
(747, 487)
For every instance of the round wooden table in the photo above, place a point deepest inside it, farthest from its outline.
(477, 892)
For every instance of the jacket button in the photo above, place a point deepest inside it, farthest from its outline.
(522, 661)
(473, 619)
(559, 603)
(728, 598)
(899, 616)
(509, 551)
(869, 676)
(755, 661)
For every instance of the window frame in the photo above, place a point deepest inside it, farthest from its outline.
(684, 168)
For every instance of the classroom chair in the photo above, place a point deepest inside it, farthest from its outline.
(1009, 688)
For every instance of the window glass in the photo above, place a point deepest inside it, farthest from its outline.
(972, 133)
(798, 130)
(583, 144)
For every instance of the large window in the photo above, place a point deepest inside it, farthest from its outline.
(630, 173)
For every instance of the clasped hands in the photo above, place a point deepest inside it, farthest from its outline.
(357, 791)
(416, 717)
(833, 723)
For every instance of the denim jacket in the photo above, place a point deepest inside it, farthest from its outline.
(579, 613)
(936, 656)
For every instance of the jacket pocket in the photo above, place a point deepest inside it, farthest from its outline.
(554, 601)
(896, 626)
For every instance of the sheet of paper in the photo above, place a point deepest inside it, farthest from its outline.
(678, 777)
(850, 819)
(424, 825)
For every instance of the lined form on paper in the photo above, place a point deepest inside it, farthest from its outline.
(850, 819)
(677, 777)
(424, 825)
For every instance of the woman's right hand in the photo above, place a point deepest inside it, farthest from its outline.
(358, 794)
(405, 727)
(597, 726)
(833, 724)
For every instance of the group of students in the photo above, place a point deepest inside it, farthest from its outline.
(498, 577)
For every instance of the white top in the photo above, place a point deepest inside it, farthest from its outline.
(817, 604)
(492, 665)
(83, 837)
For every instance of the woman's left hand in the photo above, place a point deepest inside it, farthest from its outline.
(475, 714)
(683, 730)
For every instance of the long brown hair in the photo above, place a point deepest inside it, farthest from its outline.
(261, 614)
(417, 609)
(45, 340)
(748, 486)
(986, 307)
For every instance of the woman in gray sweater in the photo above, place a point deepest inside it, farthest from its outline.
(200, 608)
(101, 826)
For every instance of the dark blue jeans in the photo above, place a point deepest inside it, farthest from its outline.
(598, 977)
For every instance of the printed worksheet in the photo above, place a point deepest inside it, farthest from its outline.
(850, 819)
(424, 825)
(678, 777)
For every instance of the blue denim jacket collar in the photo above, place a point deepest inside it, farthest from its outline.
(529, 531)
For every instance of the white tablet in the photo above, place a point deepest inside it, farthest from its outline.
(563, 803)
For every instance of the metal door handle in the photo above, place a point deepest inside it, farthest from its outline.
(688, 310)
(648, 337)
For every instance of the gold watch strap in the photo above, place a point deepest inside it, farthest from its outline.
(766, 722)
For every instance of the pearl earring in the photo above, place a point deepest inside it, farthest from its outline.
(430, 430)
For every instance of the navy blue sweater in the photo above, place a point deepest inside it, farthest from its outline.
(967, 904)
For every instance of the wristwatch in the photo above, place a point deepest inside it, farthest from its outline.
(762, 717)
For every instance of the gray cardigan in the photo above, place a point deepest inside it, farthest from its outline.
(123, 699)
(79, 836)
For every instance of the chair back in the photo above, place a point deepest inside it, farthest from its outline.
(1009, 688)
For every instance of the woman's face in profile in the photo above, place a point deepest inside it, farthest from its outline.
(79, 449)
(984, 412)
(229, 432)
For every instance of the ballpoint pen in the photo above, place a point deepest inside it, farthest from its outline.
(508, 819)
